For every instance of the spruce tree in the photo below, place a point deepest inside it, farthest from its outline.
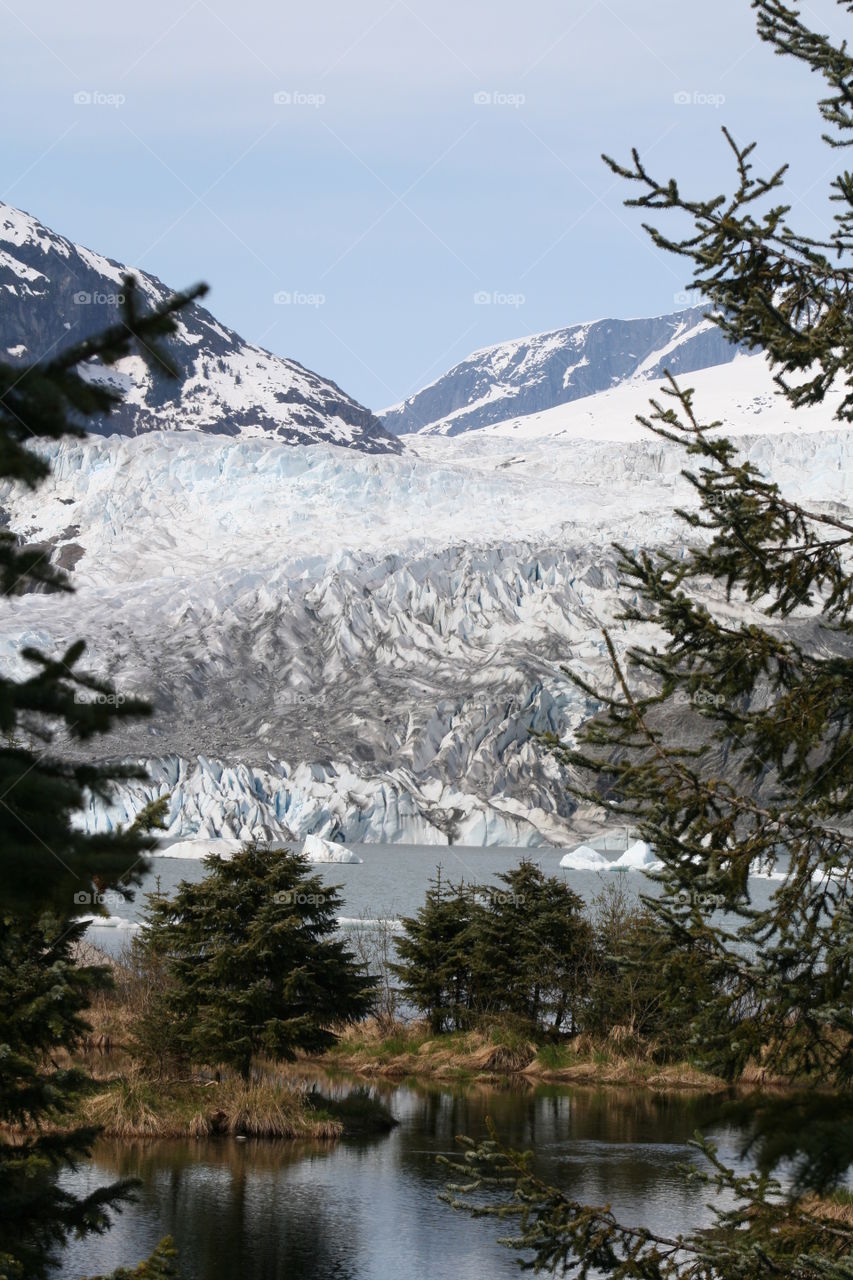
(254, 961)
(728, 742)
(435, 954)
(162, 1265)
(517, 950)
(43, 995)
(643, 980)
(44, 859)
(50, 868)
(531, 950)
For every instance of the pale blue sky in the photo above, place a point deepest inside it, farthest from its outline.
(383, 197)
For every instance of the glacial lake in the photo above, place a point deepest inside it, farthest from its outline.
(392, 879)
(368, 1209)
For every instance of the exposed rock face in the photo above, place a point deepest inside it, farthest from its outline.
(529, 375)
(55, 292)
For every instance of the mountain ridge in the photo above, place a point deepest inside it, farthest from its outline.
(541, 371)
(55, 290)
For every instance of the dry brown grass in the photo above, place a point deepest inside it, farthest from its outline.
(502, 1059)
(499, 1053)
(136, 1107)
(836, 1208)
(124, 1110)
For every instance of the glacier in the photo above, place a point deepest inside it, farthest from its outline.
(363, 646)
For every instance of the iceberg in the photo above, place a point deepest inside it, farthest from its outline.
(316, 849)
(639, 856)
(109, 922)
(198, 848)
(583, 858)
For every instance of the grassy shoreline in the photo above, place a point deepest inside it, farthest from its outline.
(412, 1051)
(129, 1108)
(125, 1102)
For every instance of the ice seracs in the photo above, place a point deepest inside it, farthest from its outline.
(368, 645)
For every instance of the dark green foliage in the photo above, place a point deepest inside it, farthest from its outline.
(518, 950)
(43, 997)
(50, 871)
(645, 981)
(44, 861)
(728, 742)
(761, 1235)
(161, 1265)
(254, 964)
(531, 950)
(811, 1133)
(435, 954)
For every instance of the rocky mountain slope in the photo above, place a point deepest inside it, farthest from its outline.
(529, 375)
(55, 292)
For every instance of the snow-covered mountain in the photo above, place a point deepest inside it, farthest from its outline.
(529, 375)
(741, 394)
(55, 292)
(358, 645)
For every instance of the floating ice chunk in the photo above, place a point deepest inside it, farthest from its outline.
(316, 849)
(109, 922)
(583, 858)
(199, 848)
(638, 857)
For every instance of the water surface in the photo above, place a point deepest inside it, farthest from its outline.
(392, 880)
(368, 1209)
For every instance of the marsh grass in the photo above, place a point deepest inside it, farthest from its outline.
(135, 1106)
(505, 1051)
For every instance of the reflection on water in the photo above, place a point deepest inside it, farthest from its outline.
(367, 1209)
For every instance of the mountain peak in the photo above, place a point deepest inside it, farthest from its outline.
(531, 374)
(56, 292)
